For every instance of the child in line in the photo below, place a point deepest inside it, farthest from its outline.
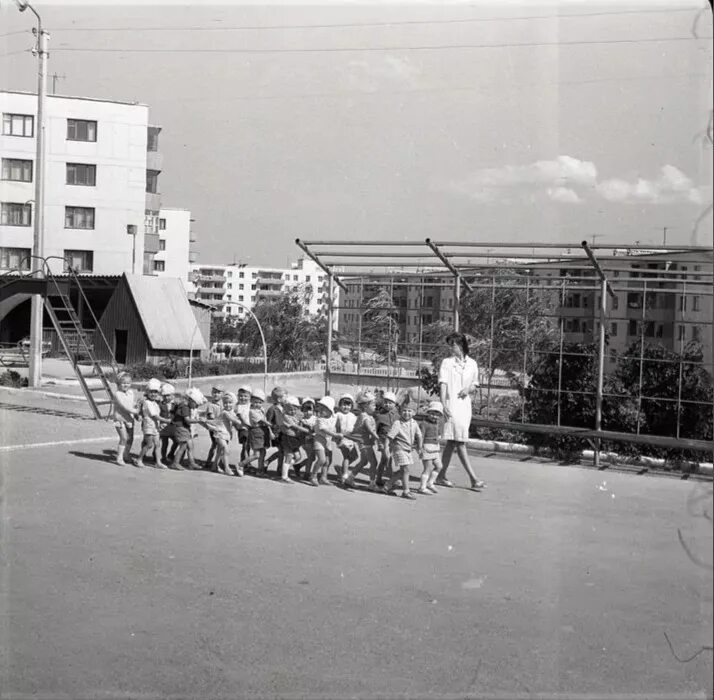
(324, 433)
(151, 423)
(345, 424)
(365, 433)
(214, 408)
(274, 415)
(222, 429)
(125, 413)
(290, 430)
(308, 422)
(242, 410)
(259, 432)
(166, 408)
(185, 416)
(431, 429)
(385, 417)
(403, 435)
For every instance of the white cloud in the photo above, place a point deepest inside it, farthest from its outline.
(672, 185)
(567, 180)
(563, 194)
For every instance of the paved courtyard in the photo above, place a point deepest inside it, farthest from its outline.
(554, 581)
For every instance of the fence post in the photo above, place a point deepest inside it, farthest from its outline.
(328, 354)
(600, 370)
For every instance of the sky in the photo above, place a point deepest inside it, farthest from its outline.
(458, 121)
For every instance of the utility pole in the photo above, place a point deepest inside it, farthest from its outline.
(38, 247)
(664, 230)
(55, 78)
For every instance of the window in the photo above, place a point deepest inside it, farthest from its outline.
(241, 275)
(81, 174)
(613, 329)
(18, 125)
(79, 260)
(632, 328)
(14, 214)
(79, 217)
(152, 138)
(240, 297)
(16, 170)
(696, 333)
(660, 330)
(615, 302)
(252, 286)
(15, 258)
(81, 130)
(162, 244)
(159, 266)
(695, 304)
(650, 329)
(634, 300)
(295, 278)
(681, 333)
(162, 227)
(152, 181)
(240, 286)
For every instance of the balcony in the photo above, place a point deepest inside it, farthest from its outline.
(154, 160)
(268, 293)
(271, 281)
(210, 278)
(153, 201)
(192, 256)
(151, 243)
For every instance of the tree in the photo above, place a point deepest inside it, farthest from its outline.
(511, 319)
(380, 325)
(224, 329)
(290, 333)
(493, 319)
(664, 404)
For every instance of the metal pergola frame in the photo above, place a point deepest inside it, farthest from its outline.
(453, 260)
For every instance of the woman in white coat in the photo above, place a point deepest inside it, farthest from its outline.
(458, 381)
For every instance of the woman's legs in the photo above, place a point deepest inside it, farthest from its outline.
(446, 459)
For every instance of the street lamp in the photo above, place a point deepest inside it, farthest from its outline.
(131, 230)
(37, 308)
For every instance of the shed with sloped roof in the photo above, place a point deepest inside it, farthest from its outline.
(149, 319)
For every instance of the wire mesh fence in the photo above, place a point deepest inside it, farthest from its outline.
(567, 353)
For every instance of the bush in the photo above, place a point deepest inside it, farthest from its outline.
(13, 379)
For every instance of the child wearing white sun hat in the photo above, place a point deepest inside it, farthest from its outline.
(322, 440)
(431, 428)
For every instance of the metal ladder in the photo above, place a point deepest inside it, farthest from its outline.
(65, 320)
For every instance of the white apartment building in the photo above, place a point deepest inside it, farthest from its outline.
(233, 288)
(101, 184)
(174, 256)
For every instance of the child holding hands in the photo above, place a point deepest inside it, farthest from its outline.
(125, 413)
(431, 452)
(403, 435)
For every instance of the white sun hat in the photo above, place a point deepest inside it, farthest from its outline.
(327, 402)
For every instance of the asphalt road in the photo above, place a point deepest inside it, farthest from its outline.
(120, 582)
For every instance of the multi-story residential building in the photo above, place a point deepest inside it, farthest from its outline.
(662, 297)
(237, 287)
(102, 200)
(175, 253)
(419, 301)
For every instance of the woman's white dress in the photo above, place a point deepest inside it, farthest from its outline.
(458, 375)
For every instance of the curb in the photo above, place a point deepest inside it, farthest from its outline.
(43, 393)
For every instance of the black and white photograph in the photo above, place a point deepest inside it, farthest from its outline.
(356, 349)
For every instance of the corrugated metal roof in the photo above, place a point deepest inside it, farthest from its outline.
(165, 312)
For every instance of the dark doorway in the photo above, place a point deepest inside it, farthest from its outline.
(120, 340)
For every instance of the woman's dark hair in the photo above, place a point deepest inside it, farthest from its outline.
(459, 338)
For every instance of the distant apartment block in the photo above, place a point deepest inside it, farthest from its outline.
(419, 301)
(173, 258)
(234, 288)
(102, 173)
(663, 298)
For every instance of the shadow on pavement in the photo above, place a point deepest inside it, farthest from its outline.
(44, 411)
(107, 456)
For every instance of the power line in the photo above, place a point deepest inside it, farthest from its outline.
(464, 20)
(432, 47)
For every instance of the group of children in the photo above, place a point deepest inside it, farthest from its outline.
(307, 434)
